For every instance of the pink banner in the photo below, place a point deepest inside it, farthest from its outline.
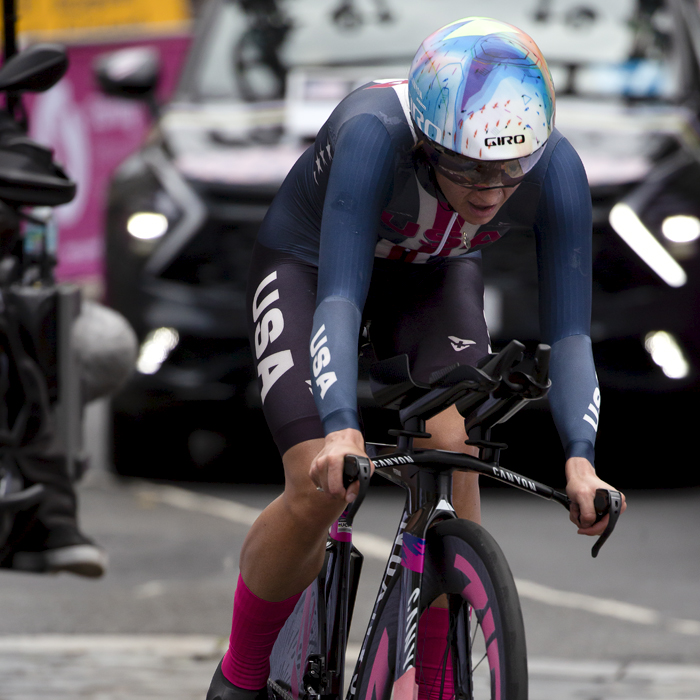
(91, 135)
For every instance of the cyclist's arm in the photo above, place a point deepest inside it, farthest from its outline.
(358, 188)
(563, 229)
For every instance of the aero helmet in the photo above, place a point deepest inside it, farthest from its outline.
(482, 101)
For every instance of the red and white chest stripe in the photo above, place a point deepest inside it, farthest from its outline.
(437, 231)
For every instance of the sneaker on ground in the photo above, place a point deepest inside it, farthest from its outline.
(63, 549)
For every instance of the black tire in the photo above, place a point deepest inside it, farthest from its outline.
(486, 624)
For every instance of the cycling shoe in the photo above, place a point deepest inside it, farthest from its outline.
(222, 689)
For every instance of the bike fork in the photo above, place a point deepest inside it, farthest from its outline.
(324, 673)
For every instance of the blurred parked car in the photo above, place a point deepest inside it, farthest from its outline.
(261, 78)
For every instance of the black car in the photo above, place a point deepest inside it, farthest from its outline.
(262, 76)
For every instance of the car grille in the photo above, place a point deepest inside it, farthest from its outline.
(218, 254)
(214, 359)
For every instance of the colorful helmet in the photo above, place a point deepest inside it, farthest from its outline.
(482, 100)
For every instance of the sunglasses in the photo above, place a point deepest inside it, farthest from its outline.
(481, 174)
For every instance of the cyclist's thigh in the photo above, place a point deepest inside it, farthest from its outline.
(281, 303)
(433, 312)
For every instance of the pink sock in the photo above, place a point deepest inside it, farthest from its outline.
(254, 629)
(432, 641)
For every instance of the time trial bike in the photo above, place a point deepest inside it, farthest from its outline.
(434, 553)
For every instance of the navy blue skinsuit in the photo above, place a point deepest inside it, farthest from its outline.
(360, 193)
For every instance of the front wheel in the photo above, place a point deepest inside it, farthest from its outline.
(486, 638)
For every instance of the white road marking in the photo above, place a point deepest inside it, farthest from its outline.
(150, 589)
(199, 503)
(161, 645)
(379, 547)
(589, 603)
(203, 647)
(604, 606)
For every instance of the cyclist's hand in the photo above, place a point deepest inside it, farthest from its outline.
(327, 468)
(581, 485)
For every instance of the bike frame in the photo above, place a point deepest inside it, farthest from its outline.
(426, 475)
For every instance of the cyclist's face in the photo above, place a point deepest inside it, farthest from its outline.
(476, 206)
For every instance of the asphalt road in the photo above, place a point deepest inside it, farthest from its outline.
(625, 625)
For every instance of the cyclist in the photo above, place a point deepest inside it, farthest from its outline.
(385, 216)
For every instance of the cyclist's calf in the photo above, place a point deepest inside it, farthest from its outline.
(285, 547)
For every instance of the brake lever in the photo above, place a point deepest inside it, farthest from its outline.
(355, 469)
(606, 502)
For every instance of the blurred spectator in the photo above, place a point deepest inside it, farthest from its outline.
(48, 539)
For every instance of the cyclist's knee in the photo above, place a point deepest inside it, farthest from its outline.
(447, 431)
(303, 502)
(465, 482)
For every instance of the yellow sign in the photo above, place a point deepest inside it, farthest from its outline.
(43, 18)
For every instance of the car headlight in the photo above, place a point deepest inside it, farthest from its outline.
(681, 229)
(147, 211)
(156, 347)
(147, 225)
(667, 353)
(630, 228)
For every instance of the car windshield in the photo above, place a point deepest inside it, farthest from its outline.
(251, 50)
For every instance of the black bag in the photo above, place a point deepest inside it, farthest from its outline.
(28, 174)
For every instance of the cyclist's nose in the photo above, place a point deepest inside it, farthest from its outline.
(484, 196)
